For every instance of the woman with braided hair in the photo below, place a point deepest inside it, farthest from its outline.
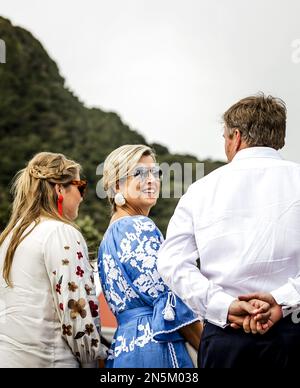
(48, 307)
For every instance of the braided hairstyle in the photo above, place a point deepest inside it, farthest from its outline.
(35, 197)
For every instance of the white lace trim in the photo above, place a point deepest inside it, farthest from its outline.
(176, 328)
(173, 355)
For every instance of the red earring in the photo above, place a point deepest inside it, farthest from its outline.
(60, 200)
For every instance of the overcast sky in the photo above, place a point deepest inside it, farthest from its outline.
(170, 68)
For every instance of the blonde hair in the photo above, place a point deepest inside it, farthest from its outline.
(34, 197)
(119, 164)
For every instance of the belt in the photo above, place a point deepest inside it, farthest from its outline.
(131, 314)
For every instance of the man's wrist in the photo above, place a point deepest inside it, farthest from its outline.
(218, 308)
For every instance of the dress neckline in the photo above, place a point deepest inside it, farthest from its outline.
(122, 218)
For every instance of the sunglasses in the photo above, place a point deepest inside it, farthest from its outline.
(142, 173)
(81, 186)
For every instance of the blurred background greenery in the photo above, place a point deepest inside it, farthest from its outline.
(39, 113)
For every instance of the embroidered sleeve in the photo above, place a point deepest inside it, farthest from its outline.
(72, 281)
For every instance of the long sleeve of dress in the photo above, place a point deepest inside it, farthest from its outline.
(72, 281)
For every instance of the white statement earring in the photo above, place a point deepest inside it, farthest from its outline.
(120, 199)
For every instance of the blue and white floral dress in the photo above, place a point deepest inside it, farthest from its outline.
(148, 314)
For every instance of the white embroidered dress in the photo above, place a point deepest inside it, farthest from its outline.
(50, 316)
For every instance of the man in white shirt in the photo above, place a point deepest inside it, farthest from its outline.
(243, 222)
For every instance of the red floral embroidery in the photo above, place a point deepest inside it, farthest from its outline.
(89, 329)
(79, 271)
(58, 286)
(79, 255)
(67, 330)
(72, 286)
(61, 306)
(58, 289)
(88, 289)
(77, 308)
(94, 309)
(95, 343)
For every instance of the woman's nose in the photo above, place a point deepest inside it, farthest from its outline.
(150, 177)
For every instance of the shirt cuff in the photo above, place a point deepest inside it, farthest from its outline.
(286, 295)
(217, 309)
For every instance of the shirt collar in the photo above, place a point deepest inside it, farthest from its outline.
(257, 152)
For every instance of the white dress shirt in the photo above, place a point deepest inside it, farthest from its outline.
(243, 222)
(50, 316)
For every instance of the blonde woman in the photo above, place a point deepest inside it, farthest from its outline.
(152, 321)
(49, 314)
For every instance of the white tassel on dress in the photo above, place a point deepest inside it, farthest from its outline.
(169, 312)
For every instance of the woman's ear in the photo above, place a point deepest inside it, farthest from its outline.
(57, 188)
(120, 186)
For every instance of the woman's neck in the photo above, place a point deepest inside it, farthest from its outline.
(126, 210)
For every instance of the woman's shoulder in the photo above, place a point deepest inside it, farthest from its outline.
(50, 228)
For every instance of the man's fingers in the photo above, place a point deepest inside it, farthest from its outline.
(247, 307)
(246, 324)
(262, 328)
(262, 306)
(237, 320)
(259, 328)
(253, 326)
(235, 326)
(263, 317)
(247, 297)
(262, 296)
